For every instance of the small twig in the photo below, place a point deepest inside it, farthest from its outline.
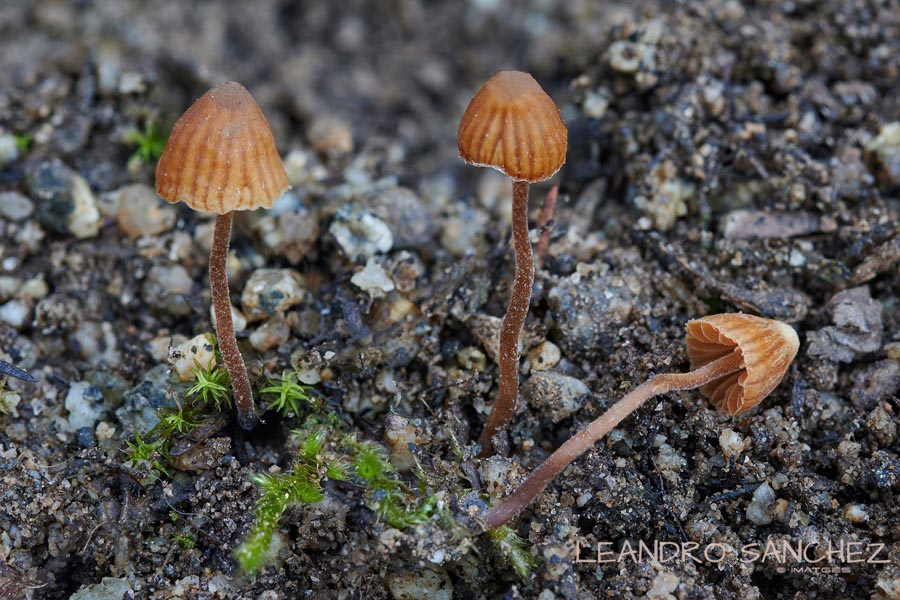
(14, 371)
(545, 224)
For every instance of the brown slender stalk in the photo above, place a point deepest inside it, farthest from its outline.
(231, 355)
(505, 405)
(513, 504)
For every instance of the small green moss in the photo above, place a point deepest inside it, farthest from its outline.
(151, 452)
(186, 540)
(289, 394)
(150, 144)
(514, 548)
(211, 388)
(174, 420)
(23, 142)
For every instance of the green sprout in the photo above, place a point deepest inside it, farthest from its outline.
(212, 387)
(289, 394)
(514, 548)
(140, 450)
(186, 540)
(23, 141)
(146, 451)
(150, 143)
(388, 496)
(175, 420)
(302, 485)
(366, 462)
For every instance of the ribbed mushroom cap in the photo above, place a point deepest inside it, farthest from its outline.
(221, 155)
(767, 346)
(511, 124)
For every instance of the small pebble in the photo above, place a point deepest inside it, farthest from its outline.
(759, 224)
(555, 394)
(143, 401)
(855, 513)
(85, 405)
(544, 356)
(359, 232)
(196, 353)
(108, 589)
(85, 437)
(15, 207)
(471, 358)
(732, 444)
(9, 285)
(422, 583)
(463, 231)
(500, 476)
(14, 313)
(400, 436)
(65, 203)
(857, 327)
(884, 152)
(165, 289)
(761, 509)
(271, 334)
(290, 233)
(373, 279)
(667, 196)
(588, 310)
(663, 585)
(142, 212)
(411, 223)
(271, 290)
(9, 150)
(330, 136)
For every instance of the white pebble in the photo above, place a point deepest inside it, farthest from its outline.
(373, 280)
(198, 352)
(85, 405)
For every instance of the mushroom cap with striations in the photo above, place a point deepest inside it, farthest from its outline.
(511, 124)
(767, 346)
(221, 155)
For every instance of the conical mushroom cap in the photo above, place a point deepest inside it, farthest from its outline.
(511, 124)
(221, 155)
(767, 346)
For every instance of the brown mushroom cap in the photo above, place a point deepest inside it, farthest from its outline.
(511, 124)
(767, 346)
(221, 155)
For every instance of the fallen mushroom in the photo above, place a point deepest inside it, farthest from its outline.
(221, 157)
(512, 125)
(736, 361)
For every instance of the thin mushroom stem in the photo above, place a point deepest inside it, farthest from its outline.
(519, 300)
(231, 355)
(535, 483)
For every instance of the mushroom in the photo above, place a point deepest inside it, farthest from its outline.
(736, 361)
(512, 125)
(221, 157)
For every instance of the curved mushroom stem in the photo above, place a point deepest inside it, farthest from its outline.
(519, 300)
(231, 355)
(575, 446)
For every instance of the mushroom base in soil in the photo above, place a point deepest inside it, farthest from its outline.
(221, 157)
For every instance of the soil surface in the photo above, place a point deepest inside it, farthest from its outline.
(723, 157)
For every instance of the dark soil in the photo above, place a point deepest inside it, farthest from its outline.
(723, 157)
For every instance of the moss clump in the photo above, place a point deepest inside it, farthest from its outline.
(514, 548)
(325, 453)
